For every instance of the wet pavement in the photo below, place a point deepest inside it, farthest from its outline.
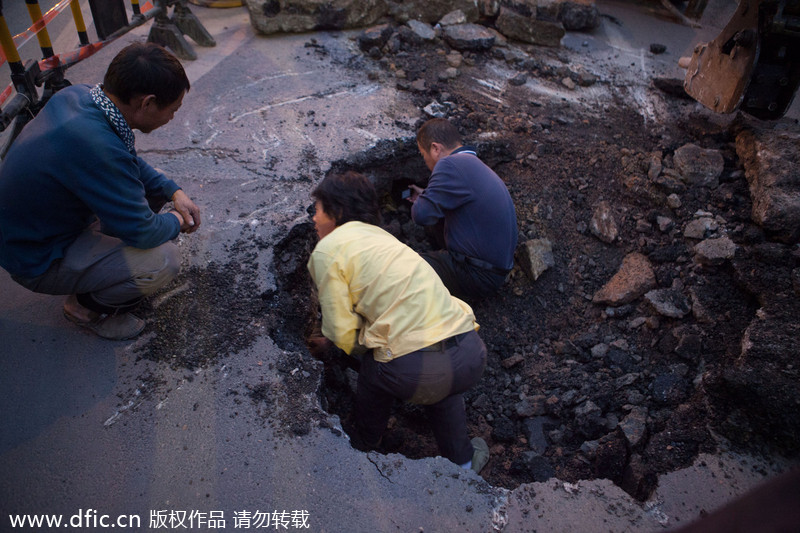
(88, 425)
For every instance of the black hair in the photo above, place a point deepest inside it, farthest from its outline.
(348, 197)
(146, 68)
(438, 130)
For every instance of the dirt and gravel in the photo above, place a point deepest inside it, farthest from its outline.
(574, 389)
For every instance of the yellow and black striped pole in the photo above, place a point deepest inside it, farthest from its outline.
(40, 27)
(80, 25)
(9, 48)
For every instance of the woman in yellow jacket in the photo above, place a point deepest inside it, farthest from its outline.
(383, 303)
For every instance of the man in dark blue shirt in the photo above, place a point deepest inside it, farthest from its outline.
(94, 231)
(474, 209)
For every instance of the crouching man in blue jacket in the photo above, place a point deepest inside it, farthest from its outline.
(79, 210)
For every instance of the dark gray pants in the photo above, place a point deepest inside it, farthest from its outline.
(435, 377)
(108, 276)
(464, 281)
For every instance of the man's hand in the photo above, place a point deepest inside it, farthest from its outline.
(188, 210)
(415, 192)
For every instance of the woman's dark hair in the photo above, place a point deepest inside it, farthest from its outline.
(146, 68)
(349, 197)
(438, 130)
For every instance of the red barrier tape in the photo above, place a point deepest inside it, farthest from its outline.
(36, 27)
(6, 93)
(61, 60)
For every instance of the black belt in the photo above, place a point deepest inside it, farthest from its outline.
(478, 263)
(443, 345)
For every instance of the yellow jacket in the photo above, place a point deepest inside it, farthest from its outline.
(376, 292)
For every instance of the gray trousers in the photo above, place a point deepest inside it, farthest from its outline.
(435, 377)
(106, 275)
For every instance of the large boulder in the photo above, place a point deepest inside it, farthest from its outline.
(771, 160)
(469, 37)
(574, 15)
(297, 16)
(431, 11)
(521, 24)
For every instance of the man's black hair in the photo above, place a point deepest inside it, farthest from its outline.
(349, 197)
(438, 130)
(146, 68)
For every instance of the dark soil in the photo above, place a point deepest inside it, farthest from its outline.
(572, 389)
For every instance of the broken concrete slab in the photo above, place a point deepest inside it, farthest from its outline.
(528, 29)
(297, 16)
(771, 164)
(699, 166)
(464, 37)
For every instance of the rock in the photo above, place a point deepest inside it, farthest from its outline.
(534, 406)
(375, 36)
(422, 30)
(616, 358)
(522, 27)
(665, 224)
(431, 11)
(589, 420)
(512, 361)
(489, 8)
(690, 345)
(673, 201)
(700, 228)
(578, 15)
(520, 79)
(533, 464)
(699, 166)
(714, 251)
(668, 302)
(654, 167)
(568, 83)
(668, 254)
(589, 448)
(669, 389)
(634, 278)
(454, 59)
(603, 225)
(449, 73)
(634, 426)
(771, 160)
(453, 18)
(469, 37)
(535, 429)
(295, 16)
(599, 351)
(536, 256)
(504, 431)
(658, 48)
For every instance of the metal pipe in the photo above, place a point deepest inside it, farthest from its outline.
(40, 27)
(80, 25)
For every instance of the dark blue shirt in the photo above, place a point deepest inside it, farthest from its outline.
(478, 212)
(67, 167)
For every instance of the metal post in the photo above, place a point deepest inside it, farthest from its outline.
(80, 25)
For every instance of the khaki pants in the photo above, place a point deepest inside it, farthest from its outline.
(105, 274)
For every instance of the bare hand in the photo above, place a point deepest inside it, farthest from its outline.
(319, 346)
(415, 192)
(188, 210)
